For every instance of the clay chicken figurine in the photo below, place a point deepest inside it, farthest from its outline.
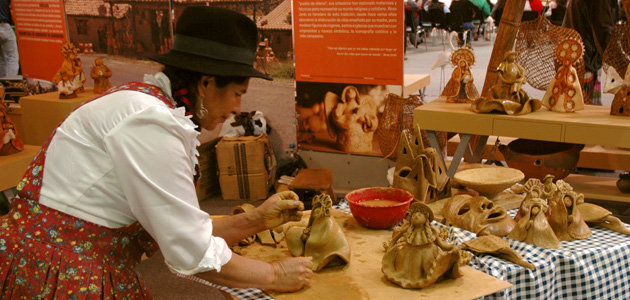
(531, 223)
(322, 239)
(417, 256)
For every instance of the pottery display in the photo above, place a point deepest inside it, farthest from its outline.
(532, 226)
(478, 215)
(322, 239)
(420, 170)
(536, 159)
(565, 218)
(461, 87)
(352, 119)
(507, 95)
(488, 181)
(564, 93)
(417, 256)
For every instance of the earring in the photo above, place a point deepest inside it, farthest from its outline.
(201, 110)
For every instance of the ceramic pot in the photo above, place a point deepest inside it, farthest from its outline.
(623, 184)
(536, 159)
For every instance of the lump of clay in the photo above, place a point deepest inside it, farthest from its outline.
(322, 239)
(496, 246)
(478, 215)
(417, 256)
(531, 223)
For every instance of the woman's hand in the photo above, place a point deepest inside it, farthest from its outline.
(279, 209)
(292, 274)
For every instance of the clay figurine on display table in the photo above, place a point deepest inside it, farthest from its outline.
(322, 239)
(478, 215)
(352, 119)
(461, 88)
(68, 78)
(420, 170)
(532, 226)
(79, 76)
(10, 141)
(564, 93)
(101, 74)
(507, 94)
(565, 218)
(620, 87)
(416, 256)
(496, 246)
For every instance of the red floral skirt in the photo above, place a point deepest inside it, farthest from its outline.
(46, 254)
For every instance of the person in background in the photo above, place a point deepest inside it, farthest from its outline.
(594, 21)
(497, 12)
(536, 5)
(467, 10)
(411, 8)
(481, 14)
(556, 12)
(128, 185)
(9, 57)
(436, 4)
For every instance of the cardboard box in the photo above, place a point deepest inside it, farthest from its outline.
(208, 184)
(247, 167)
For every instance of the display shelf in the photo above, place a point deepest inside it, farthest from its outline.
(414, 83)
(592, 126)
(42, 113)
(12, 167)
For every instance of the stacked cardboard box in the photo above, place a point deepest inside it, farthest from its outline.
(208, 184)
(247, 167)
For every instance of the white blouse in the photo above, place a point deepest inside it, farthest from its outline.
(128, 157)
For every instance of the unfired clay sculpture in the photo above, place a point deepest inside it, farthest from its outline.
(352, 119)
(322, 239)
(101, 74)
(496, 246)
(417, 256)
(595, 215)
(620, 87)
(565, 219)
(507, 94)
(10, 141)
(531, 223)
(70, 77)
(461, 88)
(564, 93)
(478, 215)
(420, 170)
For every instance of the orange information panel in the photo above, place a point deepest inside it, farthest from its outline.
(347, 54)
(40, 28)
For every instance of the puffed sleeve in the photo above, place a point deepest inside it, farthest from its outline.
(153, 152)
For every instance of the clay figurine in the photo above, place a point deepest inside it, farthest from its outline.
(461, 88)
(101, 74)
(596, 215)
(620, 87)
(352, 119)
(10, 141)
(417, 256)
(564, 93)
(507, 94)
(478, 215)
(531, 223)
(69, 78)
(623, 184)
(496, 246)
(322, 239)
(565, 218)
(420, 170)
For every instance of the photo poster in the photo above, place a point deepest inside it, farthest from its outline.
(348, 54)
(40, 29)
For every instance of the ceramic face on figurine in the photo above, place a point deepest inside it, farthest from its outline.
(478, 215)
(352, 119)
(420, 170)
(507, 94)
(417, 256)
(322, 239)
(461, 88)
(10, 141)
(564, 93)
(70, 77)
(101, 74)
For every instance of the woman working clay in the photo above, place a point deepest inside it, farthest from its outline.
(128, 188)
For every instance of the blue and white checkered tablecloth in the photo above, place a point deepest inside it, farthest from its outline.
(594, 268)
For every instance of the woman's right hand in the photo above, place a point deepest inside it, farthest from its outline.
(292, 274)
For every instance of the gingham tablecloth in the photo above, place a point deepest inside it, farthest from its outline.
(594, 268)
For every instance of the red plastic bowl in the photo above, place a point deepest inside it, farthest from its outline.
(381, 216)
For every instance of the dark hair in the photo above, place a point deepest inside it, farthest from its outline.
(184, 79)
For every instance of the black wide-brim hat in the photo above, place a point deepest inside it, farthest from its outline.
(213, 41)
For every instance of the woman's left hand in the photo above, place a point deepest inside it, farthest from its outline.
(279, 209)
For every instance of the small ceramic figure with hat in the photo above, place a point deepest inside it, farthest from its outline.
(128, 185)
